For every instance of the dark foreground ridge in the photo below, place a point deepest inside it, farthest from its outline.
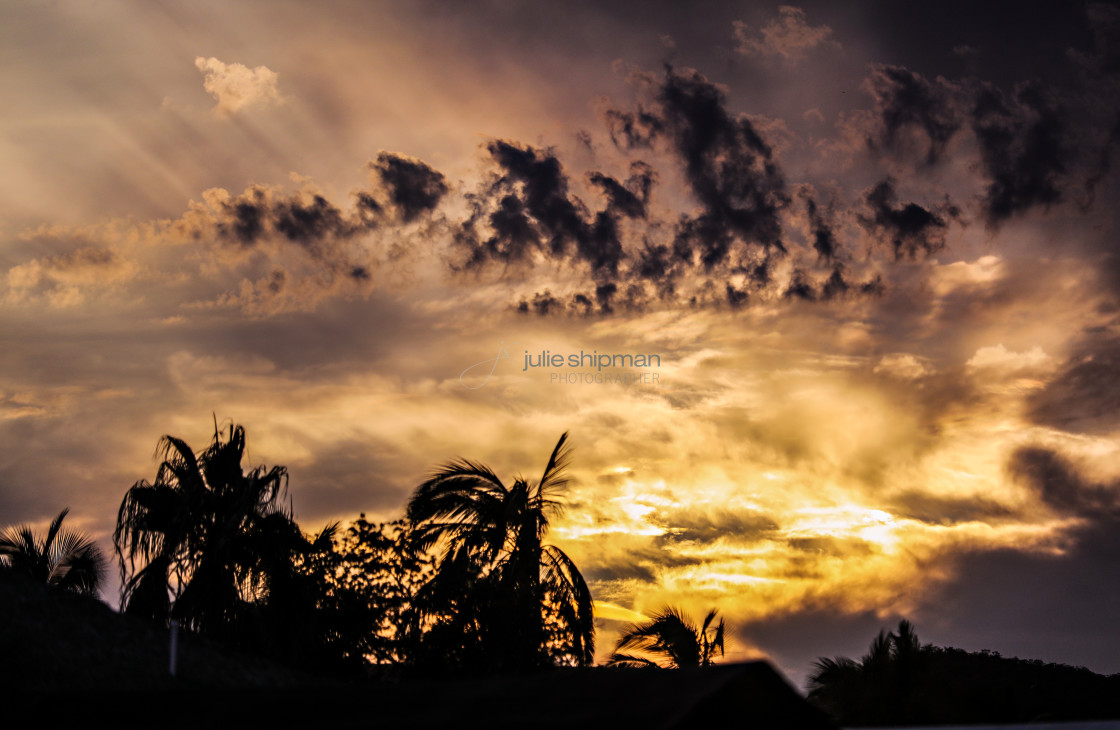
(729, 695)
(72, 657)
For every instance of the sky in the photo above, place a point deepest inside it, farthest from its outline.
(867, 251)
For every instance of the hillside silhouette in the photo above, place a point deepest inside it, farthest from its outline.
(902, 682)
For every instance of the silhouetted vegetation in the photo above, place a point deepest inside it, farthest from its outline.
(216, 548)
(901, 682)
(672, 638)
(62, 558)
(369, 581)
(465, 584)
(500, 599)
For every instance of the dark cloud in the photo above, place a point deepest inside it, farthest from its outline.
(705, 526)
(543, 192)
(1023, 149)
(543, 304)
(730, 168)
(309, 223)
(906, 100)
(831, 546)
(1045, 606)
(581, 304)
(245, 221)
(1104, 19)
(259, 214)
(1084, 396)
(736, 297)
(641, 563)
(910, 229)
(632, 129)
(714, 255)
(938, 510)
(514, 234)
(824, 240)
(529, 207)
(86, 257)
(627, 200)
(800, 287)
(335, 239)
(1102, 167)
(836, 285)
(413, 186)
(1070, 615)
(1058, 484)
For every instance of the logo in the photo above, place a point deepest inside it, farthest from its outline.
(503, 353)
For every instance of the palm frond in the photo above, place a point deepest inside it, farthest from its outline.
(567, 583)
(555, 476)
(831, 672)
(61, 558)
(631, 660)
(52, 531)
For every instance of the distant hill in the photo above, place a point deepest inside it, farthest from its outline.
(900, 682)
(959, 686)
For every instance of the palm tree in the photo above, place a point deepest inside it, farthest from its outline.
(62, 558)
(201, 542)
(879, 687)
(500, 596)
(673, 638)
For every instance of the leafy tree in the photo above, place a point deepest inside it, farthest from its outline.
(500, 598)
(672, 639)
(62, 558)
(369, 578)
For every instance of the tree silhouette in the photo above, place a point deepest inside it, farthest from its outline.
(62, 558)
(501, 598)
(368, 579)
(672, 638)
(877, 689)
(205, 539)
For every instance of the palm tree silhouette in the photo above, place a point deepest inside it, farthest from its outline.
(500, 595)
(877, 688)
(203, 539)
(62, 558)
(671, 637)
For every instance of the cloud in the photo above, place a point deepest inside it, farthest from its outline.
(901, 365)
(1084, 396)
(1023, 149)
(824, 238)
(413, 186)
(788, 36)
(236, 86)
(909, 229)
(67, 279)
(730, 169)
(948, 510)
(708, 525)
(1072, 588)
(998, 357)
(1058, 484)
(904, 100)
